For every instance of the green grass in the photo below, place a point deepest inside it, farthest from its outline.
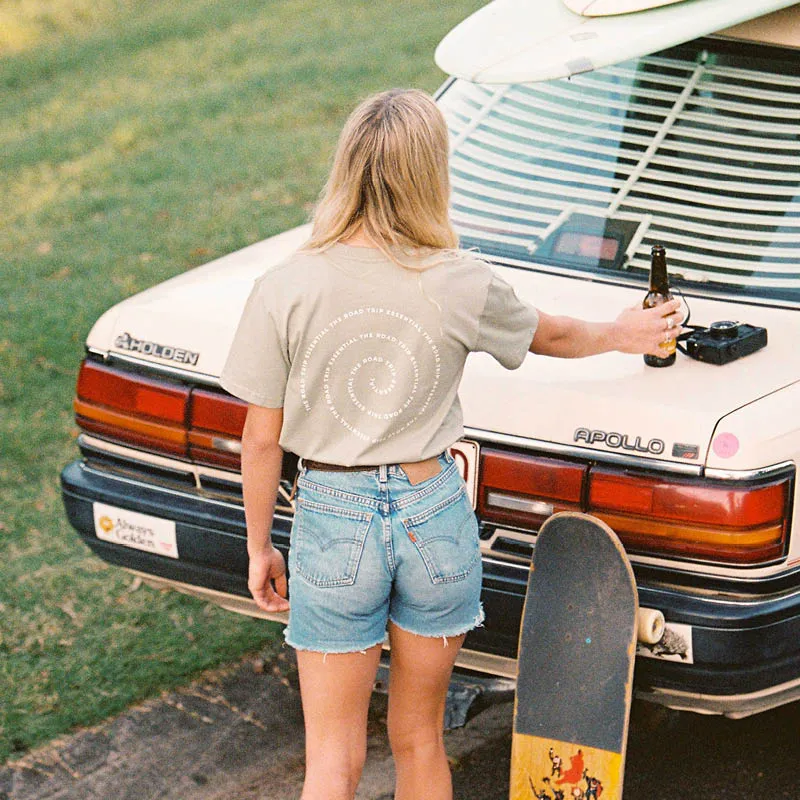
(140, 140)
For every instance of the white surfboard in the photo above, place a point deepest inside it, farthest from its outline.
(609, 8)
(521, 41)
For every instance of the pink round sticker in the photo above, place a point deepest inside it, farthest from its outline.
(726, 445)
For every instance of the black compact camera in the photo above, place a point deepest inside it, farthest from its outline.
(725, 341)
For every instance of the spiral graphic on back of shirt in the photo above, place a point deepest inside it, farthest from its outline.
(380, 370)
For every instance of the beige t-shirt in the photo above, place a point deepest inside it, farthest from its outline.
(365, 356)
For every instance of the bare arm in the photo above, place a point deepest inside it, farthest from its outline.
(261, 472)
(635, 330)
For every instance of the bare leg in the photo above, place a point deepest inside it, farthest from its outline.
(418, 679)
(336, 691)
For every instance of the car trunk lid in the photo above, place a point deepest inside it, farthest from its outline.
(610, 403)
(614, 403)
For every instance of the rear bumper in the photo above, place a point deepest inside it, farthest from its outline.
(745, 648)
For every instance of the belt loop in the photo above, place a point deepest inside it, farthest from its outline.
(383, 474)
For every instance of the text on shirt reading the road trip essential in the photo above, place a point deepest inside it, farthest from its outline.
(374, 350)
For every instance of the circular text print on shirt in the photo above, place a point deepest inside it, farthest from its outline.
(376, 369)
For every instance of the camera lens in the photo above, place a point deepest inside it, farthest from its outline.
(724, 329)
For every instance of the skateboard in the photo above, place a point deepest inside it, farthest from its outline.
(576, 653)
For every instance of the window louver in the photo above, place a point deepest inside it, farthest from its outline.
(704, 148)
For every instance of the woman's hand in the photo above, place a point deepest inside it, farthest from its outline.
(636, 330)
(648, 330)
(268, 567)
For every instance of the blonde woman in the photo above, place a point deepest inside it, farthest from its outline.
(350, 354)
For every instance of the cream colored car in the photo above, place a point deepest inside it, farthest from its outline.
(565, 185)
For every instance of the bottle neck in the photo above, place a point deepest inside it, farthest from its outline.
(659, 280)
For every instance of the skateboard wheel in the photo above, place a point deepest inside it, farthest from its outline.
(650, 626)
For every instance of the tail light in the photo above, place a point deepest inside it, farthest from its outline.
(526, 490)
(132, 409)
(728, 523)
(159, 416)
(215, 433)
(722, 522)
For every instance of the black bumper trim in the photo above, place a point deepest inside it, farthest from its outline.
(740, 646)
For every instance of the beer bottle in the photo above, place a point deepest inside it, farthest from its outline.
(659, 293)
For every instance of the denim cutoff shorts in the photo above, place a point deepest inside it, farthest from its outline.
(369, 546)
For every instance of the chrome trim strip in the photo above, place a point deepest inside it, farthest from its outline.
(219, 474)
(741, 574)
(582, 452)
(749, 474)
(283, 512)
(143, 457)
(488, 663)
(174, 372)
(735, 706)
(727, 598)
(164, 489)
(489, 553)
(134, 455)
(230, 602)
(524, 568)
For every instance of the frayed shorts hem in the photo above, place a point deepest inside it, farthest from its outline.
(476, 622)
(336, 649)
(339, 649)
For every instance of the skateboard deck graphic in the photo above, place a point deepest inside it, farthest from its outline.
(576, 655)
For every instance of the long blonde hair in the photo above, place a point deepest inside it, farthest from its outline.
(389, 179)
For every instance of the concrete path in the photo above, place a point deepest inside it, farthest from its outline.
(237, 735)
(232, 735)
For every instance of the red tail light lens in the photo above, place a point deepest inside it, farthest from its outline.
(526, 490)
(160, 416)
(215, 435)
(737, 524)
(727, 523)
(132, 409)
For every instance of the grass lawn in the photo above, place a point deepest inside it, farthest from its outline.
(141, 139)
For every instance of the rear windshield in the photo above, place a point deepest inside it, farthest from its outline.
(696, 148)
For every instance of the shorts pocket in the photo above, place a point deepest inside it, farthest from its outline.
(328, 542)
(446, 536)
